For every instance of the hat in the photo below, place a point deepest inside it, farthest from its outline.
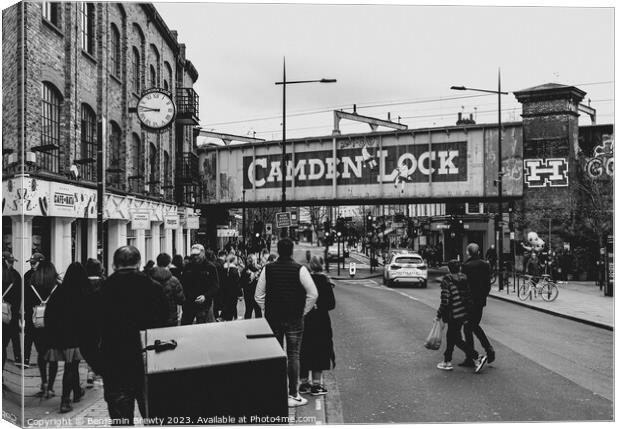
(36, 257)
(8, 256)
(197, 249)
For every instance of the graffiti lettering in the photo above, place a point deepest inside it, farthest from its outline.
(551, 172)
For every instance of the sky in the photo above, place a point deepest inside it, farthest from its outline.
(387, 58)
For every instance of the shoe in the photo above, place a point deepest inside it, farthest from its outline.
(90, 383)
(446, 366)
(49, 394)
(490, 356)
(296, 401)
(468, 363)
(26, 364)
(318, 390)
(65, 406)
(305, 387)
(480, 363)
(41, 392)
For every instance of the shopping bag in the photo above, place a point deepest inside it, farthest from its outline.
(433, 341)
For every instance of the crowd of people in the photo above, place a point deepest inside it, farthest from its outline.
(85, 315)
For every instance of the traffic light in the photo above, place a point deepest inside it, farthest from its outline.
(369, 222)
(340, 226)
(258, 227)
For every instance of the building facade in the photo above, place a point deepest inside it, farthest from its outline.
(73, 74)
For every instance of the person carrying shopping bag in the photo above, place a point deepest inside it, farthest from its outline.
(455, 304)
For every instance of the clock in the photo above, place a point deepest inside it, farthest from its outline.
(156, 109)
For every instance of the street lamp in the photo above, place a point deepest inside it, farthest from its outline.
(500, 239)
(284, 82)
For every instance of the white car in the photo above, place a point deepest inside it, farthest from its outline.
(332, 252)
(405, 268)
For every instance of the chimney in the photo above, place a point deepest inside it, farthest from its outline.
(471, 118)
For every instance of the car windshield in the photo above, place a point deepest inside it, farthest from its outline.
(408, 260)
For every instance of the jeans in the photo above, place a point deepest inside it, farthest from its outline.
(473, 327)
(250, 305)
(201, 313)
(71, 381)
(453, 338)
(121, 398)
(293, 330)
(10, 332)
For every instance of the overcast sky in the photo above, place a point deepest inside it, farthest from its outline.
(398, 56)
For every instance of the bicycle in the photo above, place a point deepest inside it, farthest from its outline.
(495, 275)
(543, 286)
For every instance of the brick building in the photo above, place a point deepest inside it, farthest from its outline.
(72, 74)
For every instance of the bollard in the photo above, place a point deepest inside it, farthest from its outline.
(352, 269)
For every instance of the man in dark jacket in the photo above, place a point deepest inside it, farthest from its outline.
(286, 292)
(128, 303)
(478, 274)
(200, 285)
(11, 293)
(171, 286)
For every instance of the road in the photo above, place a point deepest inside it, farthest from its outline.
(547, 368)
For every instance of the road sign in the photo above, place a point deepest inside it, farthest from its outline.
(294, 219)
(283, 220)
(268, 228)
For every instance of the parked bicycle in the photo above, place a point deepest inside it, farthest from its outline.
(543, 286)
(506, 279)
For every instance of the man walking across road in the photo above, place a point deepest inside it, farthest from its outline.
(286, 293)
(478, 274)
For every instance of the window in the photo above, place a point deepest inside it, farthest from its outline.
(135, 70)
(168, 78)
(167, 176)
(51, 101)
(115, 51)
(88, 27)
(51, 12)
(153, 77)
(89, 143)
(136, 179)
(115, 166)
(153, 167)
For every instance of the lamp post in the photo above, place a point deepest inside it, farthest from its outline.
(283, 169)
(500, 226)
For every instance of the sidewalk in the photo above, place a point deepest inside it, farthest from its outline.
(580, 301)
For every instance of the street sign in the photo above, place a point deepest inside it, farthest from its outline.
(294, 219)
(268, 228)
(283, 220)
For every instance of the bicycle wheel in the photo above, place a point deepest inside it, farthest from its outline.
(524, 291)
(493, 277)
(549, 291)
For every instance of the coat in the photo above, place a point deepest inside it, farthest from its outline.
(456, 301)
(63, 316)
(200, 278)
(317, 346)
(478, 274)
(172, 290)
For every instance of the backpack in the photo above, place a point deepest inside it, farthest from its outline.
(38, 311)
(7, 315)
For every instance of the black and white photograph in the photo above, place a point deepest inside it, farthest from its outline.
(307, 213)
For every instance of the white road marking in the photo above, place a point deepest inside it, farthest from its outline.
(373, 284)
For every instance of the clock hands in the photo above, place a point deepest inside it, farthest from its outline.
(148, 109)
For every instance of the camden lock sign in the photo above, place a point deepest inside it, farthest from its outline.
(447, 162)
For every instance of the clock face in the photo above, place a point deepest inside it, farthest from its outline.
(156, 110)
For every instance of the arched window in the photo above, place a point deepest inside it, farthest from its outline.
(168, 77)
(153, 76)
(88, 142)
(87, 11)
(51, 101)
(136, 178)
(115, 164)
(115, 51)
(135, 70)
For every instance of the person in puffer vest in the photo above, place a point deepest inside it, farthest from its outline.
(286, 292)
(455, 304)
(171, 286)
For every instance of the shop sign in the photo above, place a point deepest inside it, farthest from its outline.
(171, 222)
(140, 221)
(226, 233)
(191, 222)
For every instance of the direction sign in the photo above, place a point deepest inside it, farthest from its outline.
(283, 220)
